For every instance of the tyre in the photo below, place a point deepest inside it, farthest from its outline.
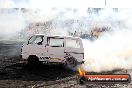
(33, 61)
(71, 63)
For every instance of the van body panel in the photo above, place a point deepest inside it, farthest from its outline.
(53, 48)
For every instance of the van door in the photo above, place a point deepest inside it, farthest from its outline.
(74, 47)
(35, 46)
(55, 47)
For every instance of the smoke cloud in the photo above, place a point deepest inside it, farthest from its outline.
(11, 22)
(112, 50)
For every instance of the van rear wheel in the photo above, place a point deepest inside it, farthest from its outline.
(70, 63)
(33, 61)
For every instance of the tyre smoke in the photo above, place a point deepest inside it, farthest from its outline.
(112, 50)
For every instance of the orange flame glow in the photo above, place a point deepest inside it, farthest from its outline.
(81, 71)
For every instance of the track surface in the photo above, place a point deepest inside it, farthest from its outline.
(15, 73)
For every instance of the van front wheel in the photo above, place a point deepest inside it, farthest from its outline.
(33, 61)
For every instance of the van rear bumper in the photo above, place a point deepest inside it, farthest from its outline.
(81, 62)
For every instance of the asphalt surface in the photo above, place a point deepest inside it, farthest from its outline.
(15, 73)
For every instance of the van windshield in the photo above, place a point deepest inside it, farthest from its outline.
(36, 40)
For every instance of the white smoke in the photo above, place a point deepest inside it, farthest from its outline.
(11, 22)
(112, 50)
(14, 21)
(66, 19)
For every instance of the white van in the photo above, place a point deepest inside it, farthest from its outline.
(53, 49)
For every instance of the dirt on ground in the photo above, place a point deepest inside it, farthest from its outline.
(15, 73)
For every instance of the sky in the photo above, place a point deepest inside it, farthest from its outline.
(64, 3)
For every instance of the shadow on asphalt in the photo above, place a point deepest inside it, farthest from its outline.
(21, 71)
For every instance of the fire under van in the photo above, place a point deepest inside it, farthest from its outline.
(53, 49)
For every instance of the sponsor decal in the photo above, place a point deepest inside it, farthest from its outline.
(102, 78)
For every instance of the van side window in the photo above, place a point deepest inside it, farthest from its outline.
(56, 42)
(36, 40)
(72, 43)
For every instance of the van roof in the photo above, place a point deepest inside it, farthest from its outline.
(57, 36)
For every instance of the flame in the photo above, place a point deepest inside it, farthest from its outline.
(81, 71)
